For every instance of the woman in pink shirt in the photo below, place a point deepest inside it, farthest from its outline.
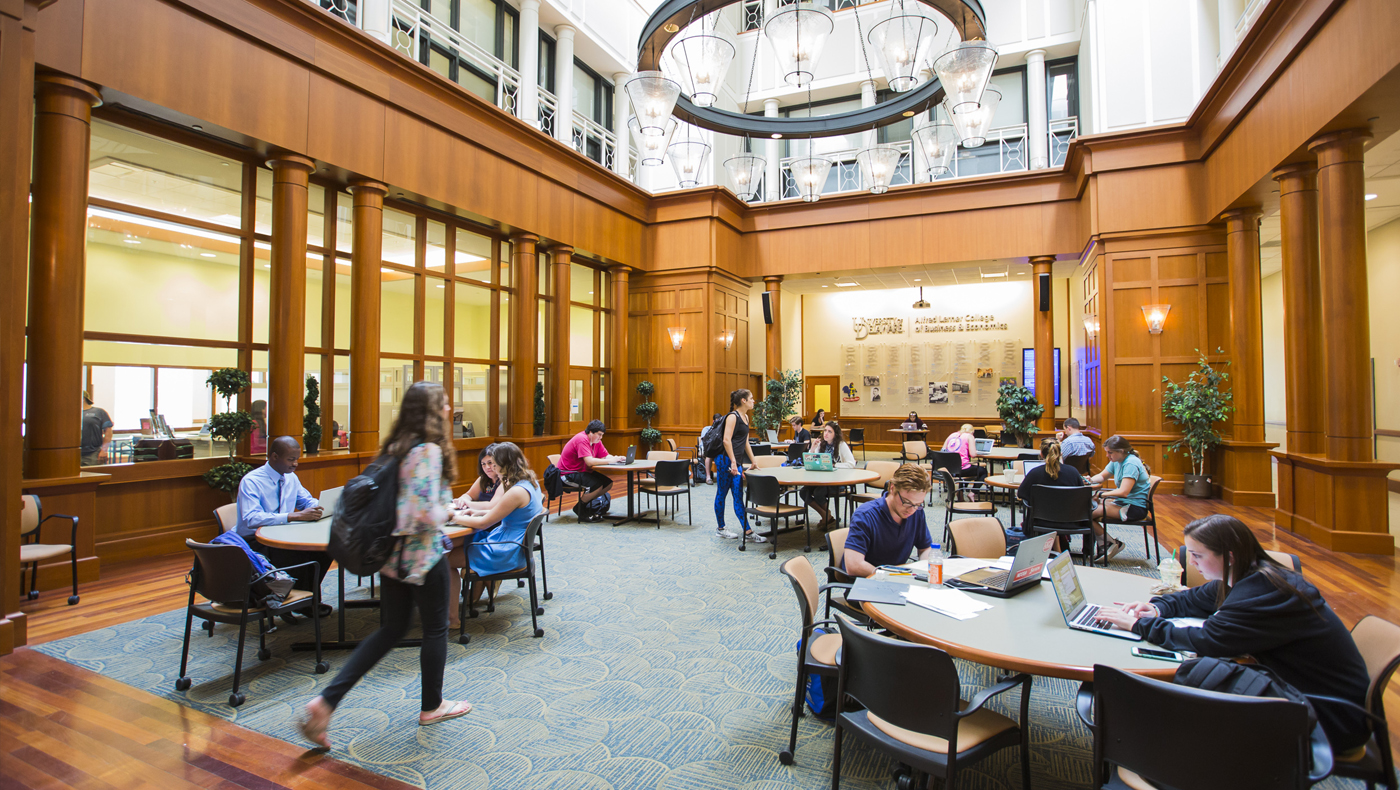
(962, 442)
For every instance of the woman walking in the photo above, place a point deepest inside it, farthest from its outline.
(729, 464)
(415, 574)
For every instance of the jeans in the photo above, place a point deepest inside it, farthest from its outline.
(396, 603)
(729, 482)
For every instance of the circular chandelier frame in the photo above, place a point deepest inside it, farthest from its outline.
(672, 16)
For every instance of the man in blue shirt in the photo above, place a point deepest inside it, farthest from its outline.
(272, 495)
(886, 531)
(1074, 443)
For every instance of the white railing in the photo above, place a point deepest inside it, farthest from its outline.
(411, 30)
(1062, 133)
(845, 172)
(586, 129)
(549, 105)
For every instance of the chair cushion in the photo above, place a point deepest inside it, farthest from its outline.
(34, 552)
(972, 507)
(1134, 781)
(779, 510)
(653, 488)
(865, 497)
(825, 648)
(973, 730)
(293, 597)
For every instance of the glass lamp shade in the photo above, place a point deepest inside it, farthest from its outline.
(688, 160)
(903, 43)
(653, 98)
(938, 142)
(965, 70)
(651, 148)
(700, 64)
(877, 167)
(809, 173)
(973, 123)
(745, 172)
(1156, 317)
(798, 33)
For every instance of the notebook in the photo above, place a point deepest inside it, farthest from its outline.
(1079, 614)
(865, 589)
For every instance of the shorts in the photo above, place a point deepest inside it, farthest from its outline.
(588, 480)
(1132, 513)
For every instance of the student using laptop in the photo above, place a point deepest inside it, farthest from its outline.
(576, 462)
(1052, 473)
(912, 422)
(1128, 500)
(1079, 613)
(801, 439)
(1253, 605)
(964, 444)
(887, 530)
(832, 443)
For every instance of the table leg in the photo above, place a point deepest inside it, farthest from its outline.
(632, 514)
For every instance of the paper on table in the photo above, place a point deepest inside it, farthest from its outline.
(953, 603)
(1186, 622)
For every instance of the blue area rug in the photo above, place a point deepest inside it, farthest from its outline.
(668, 662)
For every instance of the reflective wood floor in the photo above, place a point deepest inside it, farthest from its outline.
(62, 726)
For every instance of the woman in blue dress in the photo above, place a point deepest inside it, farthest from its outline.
(517, 501)
(476, 501)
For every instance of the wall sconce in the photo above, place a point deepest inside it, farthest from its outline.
(1156, 315)
(1091, 324)
(727, 337)
(677, 334)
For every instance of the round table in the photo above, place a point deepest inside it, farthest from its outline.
(794, 476)
(631, 469)
(1028, 634)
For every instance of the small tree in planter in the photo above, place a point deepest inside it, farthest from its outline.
(1018, 410)
(539, 408)
(783, 394)
(229, 426)
(647, 409)
(1196, 406)
(311, 422)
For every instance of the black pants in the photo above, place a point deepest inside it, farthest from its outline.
(589, 480)
(281, 558)
(396, 603)
(974, 472)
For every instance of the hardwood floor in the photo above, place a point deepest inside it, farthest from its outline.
(62, 726)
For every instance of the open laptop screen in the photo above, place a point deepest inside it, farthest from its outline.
(1066, 584)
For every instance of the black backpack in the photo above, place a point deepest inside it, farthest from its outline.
(714, 438)
(362, 534)
(1214, 674)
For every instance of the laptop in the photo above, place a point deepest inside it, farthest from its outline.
(329, 499)
(985, 445)
(1079, 614)
(631, 455)
(772, 437)
(1027, 466)
(817, 462)
(1023, 574)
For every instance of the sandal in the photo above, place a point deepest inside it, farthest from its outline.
(447, 710)
(314, 730)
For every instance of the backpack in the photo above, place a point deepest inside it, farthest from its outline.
(362, 534)
(553, 482)
(714, 438)
(599, 506)
(821, 691)
(1214, 674)
(697, 472)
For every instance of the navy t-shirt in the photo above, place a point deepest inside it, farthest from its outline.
(875, 534)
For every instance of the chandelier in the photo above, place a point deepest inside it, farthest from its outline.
(973, 121)
(903, 42)
(809, 174)
(651, 148)
(938, 142)
(964, 70)
(700, 64)
(688, 158)
(653, 98)
(745, 172)
(877, 167)
(798, 33)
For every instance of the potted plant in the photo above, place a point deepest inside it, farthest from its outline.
(783, 393)
(1018, 410)
(1196, 405)
(539, 408)
(229, 426)
(647, 409)
(311, 422)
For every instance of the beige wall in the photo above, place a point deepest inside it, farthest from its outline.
(1275, 389)
(1383, 269)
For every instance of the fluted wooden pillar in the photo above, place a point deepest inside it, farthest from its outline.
(1346, 321)
(1246, 323)
(1044, 343)
(560, 260)
(1302, 308)
(619, 368)
(524, 333)
(57, 247)
(286, 315)
(774, 331)
(367, 254)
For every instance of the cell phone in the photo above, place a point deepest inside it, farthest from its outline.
(1160, 655)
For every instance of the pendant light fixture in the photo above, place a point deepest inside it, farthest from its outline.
(974, 123)
(798, 33)
(651, 148)
(745, 173)
(653, 97)
(688, 157)
(809, 173)
(965, 71)
(938, 142)
(878, 164)
(700, 64)
(903, 43)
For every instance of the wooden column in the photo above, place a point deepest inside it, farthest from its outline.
(560, 259)
(1044, 342)
(16, 154)
(1302, 307)
(772, 284)
(619, 366)
(524, 328)
(1346, 321)
(1246, 323)
(57, 250)
(286, 315)
(368, 228)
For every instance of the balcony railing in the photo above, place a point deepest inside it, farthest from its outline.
(415, 33)
(845, 172)
(549, 105)
(1062, 133)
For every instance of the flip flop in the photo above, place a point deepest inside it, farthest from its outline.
(458, 709)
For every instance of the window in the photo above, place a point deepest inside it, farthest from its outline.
(593, 99)
(589, 315)
(752, 15)
(546, 75)
(1062, 89)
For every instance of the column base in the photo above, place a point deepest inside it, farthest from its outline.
(1339, 505)
(1246, 476)
(14, 632)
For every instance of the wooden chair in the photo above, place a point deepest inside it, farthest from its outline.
(815, 656)
(672, 479)
(466, 606)
(671, 447)
(765, 502)
(1150, 520)
(223, 575)
(1379, 642)
(32, 552)
(993, 431)
(983, 538)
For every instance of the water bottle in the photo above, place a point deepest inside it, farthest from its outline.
(935, 565)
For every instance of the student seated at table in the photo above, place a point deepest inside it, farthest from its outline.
(1073, 442)
(832, 442)
(1128, 500)
(913, 423)
(576, 462)
(271, 495)
(498, 550)
(1254, 606)
(964, 444)
(801, 439)
(819, 419)
(886, 531)
(475, 502)
(1054, 472)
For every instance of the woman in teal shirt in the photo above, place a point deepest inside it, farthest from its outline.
(1128, 500)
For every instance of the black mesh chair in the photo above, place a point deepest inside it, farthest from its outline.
(952, 507)
(1149, 521)
(672, 479)
(924, 725)
(765, 502)
(761, 449)
(856, 438)
(223, 574)
(1066, 510)
(466, 607)
(816, 656)
(1158, 734)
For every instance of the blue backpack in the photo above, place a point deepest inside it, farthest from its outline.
(821, 690)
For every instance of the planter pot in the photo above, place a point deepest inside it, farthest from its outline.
(1198, 486)
(312, 445)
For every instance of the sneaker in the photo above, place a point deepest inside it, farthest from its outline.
(724, 533)
(754, 537)
(1114, 549)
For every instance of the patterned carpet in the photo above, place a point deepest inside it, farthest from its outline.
(668, 662)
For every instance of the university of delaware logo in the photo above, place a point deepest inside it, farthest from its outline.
(861, 330)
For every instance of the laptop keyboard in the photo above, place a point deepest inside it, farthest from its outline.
(1089, 618)
(998, 581)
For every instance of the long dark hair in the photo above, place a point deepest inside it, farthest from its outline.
(819, 418)
(835, 447)
(1118, 444)
(1231, 539)
(512, 465)
(487, 485)
(421, 421)
(737, 397)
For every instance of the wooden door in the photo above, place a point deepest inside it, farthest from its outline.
(823, 392)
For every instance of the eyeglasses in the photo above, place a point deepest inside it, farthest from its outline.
(904, 501)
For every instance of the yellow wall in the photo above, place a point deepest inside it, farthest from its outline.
(1275, 389)
(1383, 269)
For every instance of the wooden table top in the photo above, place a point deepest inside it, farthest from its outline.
(639, 465)
(1027, 633)
(316, 535)
(1005, 453)
(798, 476)
(909, 430)
(999, 481)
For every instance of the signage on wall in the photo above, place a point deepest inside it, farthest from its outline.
(958, 323)
(865, 327)
(1028, 371)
